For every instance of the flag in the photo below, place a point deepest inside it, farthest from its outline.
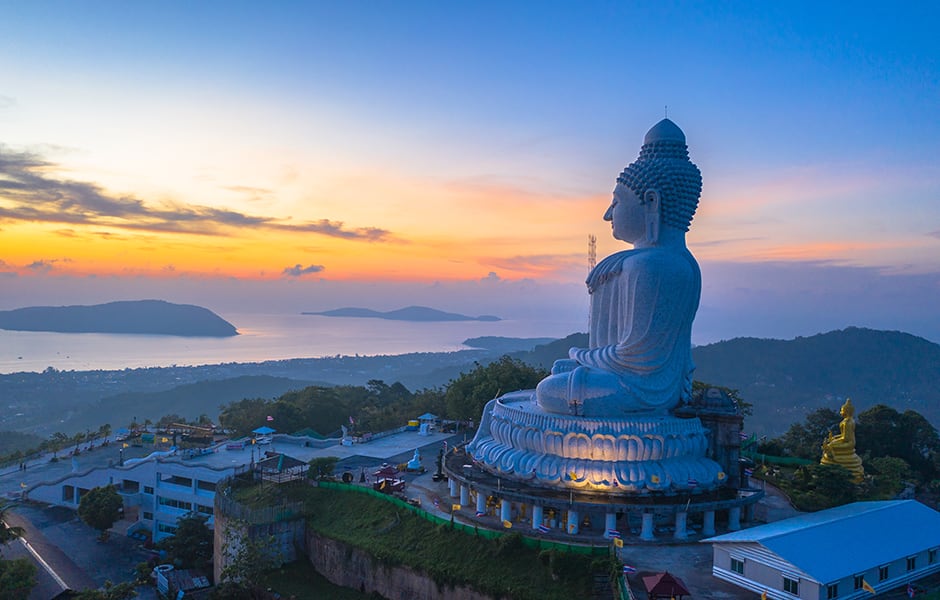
(270, 418)
(507, 524)
(613, 533)
(351, 420)
(125, 445)
(573, 476)
(480, 513)
(867, 587)
(454, 507)
(618, 542)
(910, 591)
(544, 528)
(748, 472)
(692, 482)
(742, 435)
(763, 595)
(628, 570)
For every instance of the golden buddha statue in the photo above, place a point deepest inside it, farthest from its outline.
(840, 449)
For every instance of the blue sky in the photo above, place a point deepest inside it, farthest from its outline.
(460, 154)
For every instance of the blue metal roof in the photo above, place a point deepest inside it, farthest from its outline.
(839, 542)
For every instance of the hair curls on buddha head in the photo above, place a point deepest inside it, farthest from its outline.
(664, 165)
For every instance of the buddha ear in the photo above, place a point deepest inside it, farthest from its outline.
(651, 201)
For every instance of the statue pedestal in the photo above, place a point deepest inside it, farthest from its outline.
(517, 439)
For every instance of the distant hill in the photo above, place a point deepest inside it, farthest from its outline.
(786, 379)
(153, 317)
(411, 313)
(190, 401)
(506, 344)
(546, 354)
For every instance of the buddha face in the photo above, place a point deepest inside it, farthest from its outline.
(627, 215)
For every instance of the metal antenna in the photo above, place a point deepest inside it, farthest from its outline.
(666, 111)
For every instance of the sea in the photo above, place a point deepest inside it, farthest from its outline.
(261, 337)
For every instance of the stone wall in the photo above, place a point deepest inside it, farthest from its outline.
(353, 568)
(288, 539)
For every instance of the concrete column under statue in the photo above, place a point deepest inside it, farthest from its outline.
(708, 523)
(681, 533)
(610, 523)
(734, 518)
(537, 515)
(646, 532)
(453, 485)
(574, 522)
(505, 510)
(464, 495)
(481, 502)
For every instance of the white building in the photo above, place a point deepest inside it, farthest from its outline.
(833, 553)
(156, 491)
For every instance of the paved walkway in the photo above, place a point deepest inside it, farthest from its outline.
(68, 554)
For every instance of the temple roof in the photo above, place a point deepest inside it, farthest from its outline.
(664, 131)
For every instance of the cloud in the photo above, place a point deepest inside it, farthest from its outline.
(31, 194)
(538, 264)
(935, 234)
(7, 101)
(491, 277)
(41, 267)
(299, 271)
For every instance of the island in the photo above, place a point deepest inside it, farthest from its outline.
(149, 317)
(410, 313)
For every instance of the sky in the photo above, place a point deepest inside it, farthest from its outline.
(311, 155)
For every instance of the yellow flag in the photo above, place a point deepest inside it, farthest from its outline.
(454, 507)
(763, 595)
(618, 542)
(507, 524)
(125, 445)
(867, 587)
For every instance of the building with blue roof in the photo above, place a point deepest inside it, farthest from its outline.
(833, 553)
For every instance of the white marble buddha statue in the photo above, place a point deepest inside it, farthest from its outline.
(643, 300)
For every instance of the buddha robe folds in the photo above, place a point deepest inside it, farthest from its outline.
(643, 303)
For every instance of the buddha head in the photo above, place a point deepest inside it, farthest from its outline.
(663, 181)
(847, 411)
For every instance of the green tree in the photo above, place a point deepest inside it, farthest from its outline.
(468, 394)
(190, 546)
(7, 533)
(322, 466)
(100, 507)
(17, 578)
(58, 441)
(111, 591)
(890, 473)
(805, 439)
(883, 431)
(745, 408)
(815, 487)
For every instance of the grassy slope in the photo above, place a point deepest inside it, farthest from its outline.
(399, 537)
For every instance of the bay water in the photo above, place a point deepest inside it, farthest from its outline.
(262, 337)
